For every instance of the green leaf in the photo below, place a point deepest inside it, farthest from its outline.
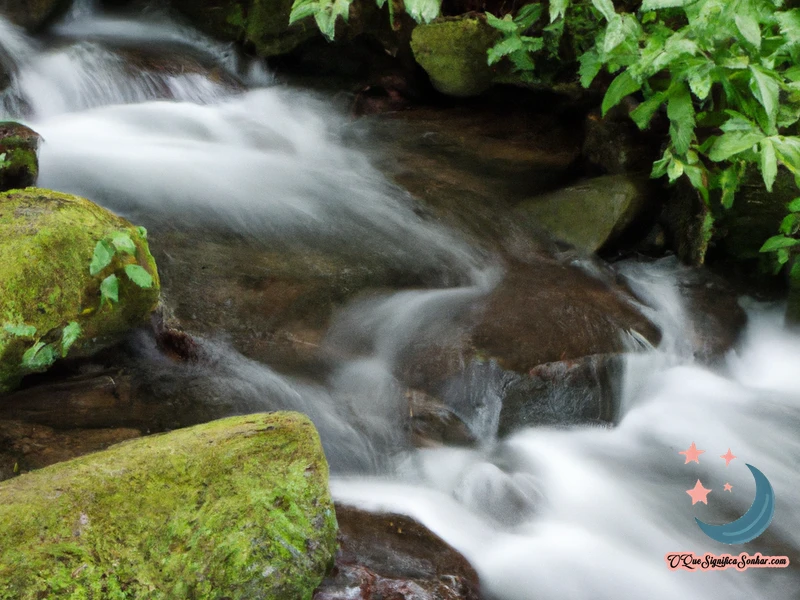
(768, 163)
(39, 356)
(765, 88)
(622, 86)
(778, 241)
(302, 9)
(122, 242)
(69, 335)
(728, 182)
(142, 232)
(558, 8)
(591, 63)
(506, 24)
(749, 28)
(422, 11)
(606, 8)
(674, 170)
(527, 16)
(788, 151)
(661, 165)
(789, 22)
(783, 255)
(659, 4)
(20, 330)
(732, 143)
(789, 224)
(643, 114)
(109, 289)
(700, 80)
(795, 272)
(139, 276)
(794, 205)
(680, 111)
(102, 257)
(503, 48)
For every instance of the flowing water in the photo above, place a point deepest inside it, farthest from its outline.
(583, 513)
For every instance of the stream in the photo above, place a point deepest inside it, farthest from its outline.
(561, 513)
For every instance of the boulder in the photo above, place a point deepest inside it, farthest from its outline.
(51, 304)
(452, 50)
(33, 14)
(590, 214)
(260, 24)
(237, 508)
(387, 556)
(20, 166)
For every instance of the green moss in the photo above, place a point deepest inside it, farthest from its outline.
(236, 509)
(453, 53)
(46, 244)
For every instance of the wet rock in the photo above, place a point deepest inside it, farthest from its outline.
(386, 556)
(262, 25)
(432, 423)
(33, 14)
(590, 214)
(238, 508)
(452, 50)
(19, 145)
(50, 302)
(25, 446)
(616, 146)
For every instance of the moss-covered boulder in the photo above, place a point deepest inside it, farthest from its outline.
(236, 509)
(589, 214)
(452, 50)
(261, 24)
(47, 242)
(33, 14)
(19, 163)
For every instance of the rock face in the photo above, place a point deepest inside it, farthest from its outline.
(47, 241)
(452, 50)
(33, 14)
(392, 557)
(261, 24)
(237, 508)
(19, 144)
(589, 214)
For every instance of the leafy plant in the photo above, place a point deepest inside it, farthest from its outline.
(41, 355)
(3, 162)
(105, 250)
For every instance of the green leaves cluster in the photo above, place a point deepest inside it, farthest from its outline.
(119, 242)
(3, 162)
(41, 355)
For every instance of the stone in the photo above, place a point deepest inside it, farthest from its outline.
(237, 508)
(47, 241)
(33, 15)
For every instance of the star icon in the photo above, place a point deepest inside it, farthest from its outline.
(728, 487)
(692, 454)
(728, 457)
(698, 493)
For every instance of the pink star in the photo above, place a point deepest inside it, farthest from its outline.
(728, 487)
(728, 457)
(692, 454)
(698, 493)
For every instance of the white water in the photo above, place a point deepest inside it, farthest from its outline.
(580, 513)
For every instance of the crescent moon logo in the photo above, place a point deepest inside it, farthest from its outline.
(752, 523)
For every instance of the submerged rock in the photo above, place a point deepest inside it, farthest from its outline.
(237, 508)
(452, 50)
(50, 302)
(590, 214)
(387, 556)
(261, 24)
(33, 14)
(20, 167)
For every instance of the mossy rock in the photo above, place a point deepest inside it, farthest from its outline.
(263, 24)
(47, 240)
(33, 14)
(452, 50)
(235, 509)
(20, 167)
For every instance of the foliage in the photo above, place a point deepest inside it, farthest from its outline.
(3, 162)
(119, 242)
(41, 355)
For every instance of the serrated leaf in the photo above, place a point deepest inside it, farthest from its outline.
(738, 122)
(789, 22)
(558, 8)
(643, 114)
(302, 9)
(732, 143)
(680, 111)
(109, 289)
(768, 163)
(788, 151)
(783, 255)
(139, 276)
(700, 81)
(622, 86)
(674, 170)
(778, 241)
(422, 11)
(102, 257)
(69, 335)
(748, 26)
(121, 240)
(606, 8)
(794, 205)
(728, 182)
(506, 24)
(591, 63)
(527, 16)
(39, 356)
(766, 89)
(20, 330)
(659, 4)
(503, 48)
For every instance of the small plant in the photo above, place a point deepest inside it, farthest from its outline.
(104, 252)
(41, 355)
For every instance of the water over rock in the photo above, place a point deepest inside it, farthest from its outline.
(388, 556)
(33, 14)
(237, 508)
(19, 145)
(51, 303)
